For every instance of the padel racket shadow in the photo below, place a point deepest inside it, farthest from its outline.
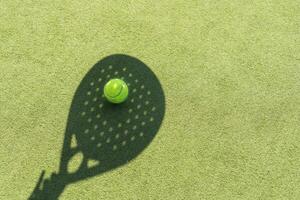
(110, 134)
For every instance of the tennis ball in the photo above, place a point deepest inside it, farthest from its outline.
(116, 91)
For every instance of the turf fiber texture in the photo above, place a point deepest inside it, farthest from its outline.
(229, 70)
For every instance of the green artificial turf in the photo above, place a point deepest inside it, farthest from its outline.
(230, 71)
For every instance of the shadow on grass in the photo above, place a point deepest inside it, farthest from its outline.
(105, 134)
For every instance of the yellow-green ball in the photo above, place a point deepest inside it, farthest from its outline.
(116, 91)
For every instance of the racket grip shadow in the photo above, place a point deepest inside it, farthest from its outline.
(49, 189)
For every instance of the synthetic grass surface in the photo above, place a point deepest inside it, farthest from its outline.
(231, 76)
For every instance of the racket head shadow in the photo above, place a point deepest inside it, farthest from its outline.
(114, 134)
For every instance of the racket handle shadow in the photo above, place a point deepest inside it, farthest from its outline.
(49, 189)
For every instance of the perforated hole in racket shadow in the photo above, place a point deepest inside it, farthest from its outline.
(101, 136)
